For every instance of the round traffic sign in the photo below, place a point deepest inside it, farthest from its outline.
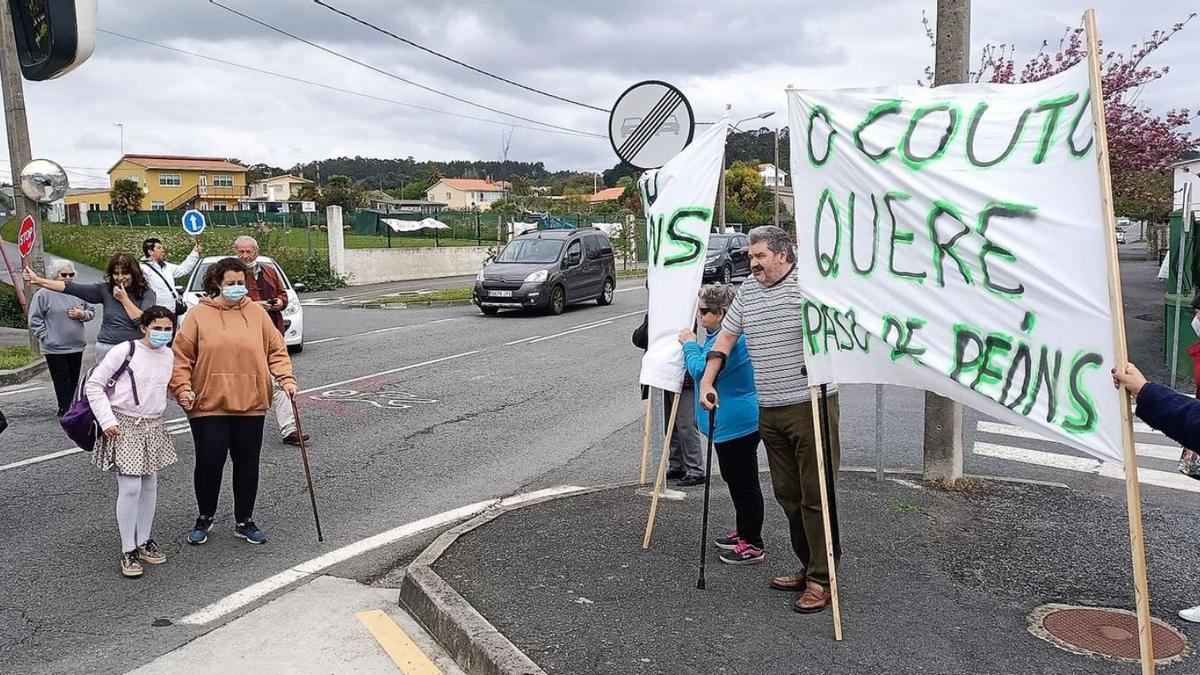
(193, 222)
(26, 236)
(650, 123)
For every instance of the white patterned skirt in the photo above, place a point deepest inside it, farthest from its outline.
(142, 448)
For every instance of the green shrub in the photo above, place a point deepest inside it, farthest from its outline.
(11, 315)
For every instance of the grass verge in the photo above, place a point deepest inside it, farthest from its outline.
(12, 358)
(444, 295)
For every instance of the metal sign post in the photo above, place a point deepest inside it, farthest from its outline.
(1185, 226)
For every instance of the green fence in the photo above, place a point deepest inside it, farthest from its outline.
(214, 218)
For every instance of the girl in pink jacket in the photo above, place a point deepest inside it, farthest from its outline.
(128, 402)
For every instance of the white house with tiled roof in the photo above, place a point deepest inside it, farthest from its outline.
(465, 193)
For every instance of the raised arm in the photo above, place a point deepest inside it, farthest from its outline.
(31, 277)
(189, 263)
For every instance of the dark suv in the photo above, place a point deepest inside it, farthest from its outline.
(548, 269)
(728, 256)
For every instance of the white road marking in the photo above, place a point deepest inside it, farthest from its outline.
(382, 330)
(175, 430)
(42, 458)
(517, 342)
(583, 327)
(627, 290)
(1112, 470)
(235, 601)
(568, 332)
(20, 391)
(1151, 450)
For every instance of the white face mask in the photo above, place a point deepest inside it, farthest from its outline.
(1196, 325)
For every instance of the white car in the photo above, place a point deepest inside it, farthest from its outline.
(293, 316)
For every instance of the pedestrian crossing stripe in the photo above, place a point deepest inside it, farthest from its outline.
(1059, 460)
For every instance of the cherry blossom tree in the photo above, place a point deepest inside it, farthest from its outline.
(1142, 144)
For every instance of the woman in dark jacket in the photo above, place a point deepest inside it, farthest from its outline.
(124, 294)
(1174, 414)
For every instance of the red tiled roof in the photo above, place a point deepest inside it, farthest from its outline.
(182, 163)
(607, 195)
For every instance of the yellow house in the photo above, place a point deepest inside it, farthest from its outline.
(171, 183)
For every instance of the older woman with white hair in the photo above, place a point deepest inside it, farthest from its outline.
(57, 320)
(736, 434)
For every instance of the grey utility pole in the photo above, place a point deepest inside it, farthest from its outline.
(943, 417)
(19, 153)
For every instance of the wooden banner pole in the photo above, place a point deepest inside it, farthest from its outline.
(646, 436)
(661, 476)
(1137, 542)
(814, 394)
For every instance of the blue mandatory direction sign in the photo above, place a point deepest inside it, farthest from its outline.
(193, 222)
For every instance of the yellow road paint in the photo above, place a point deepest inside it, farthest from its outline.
(405, 653)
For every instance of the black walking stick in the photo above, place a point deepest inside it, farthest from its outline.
(712, 426)
(307, 472)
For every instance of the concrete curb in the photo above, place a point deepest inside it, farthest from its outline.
(411, 305)
(469, 638)
(466, 635)
(22, 375)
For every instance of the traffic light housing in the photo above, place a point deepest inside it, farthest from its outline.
(53, 37)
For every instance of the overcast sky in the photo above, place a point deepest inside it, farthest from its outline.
(743, 53)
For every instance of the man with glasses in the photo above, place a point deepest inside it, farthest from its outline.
(57, 320)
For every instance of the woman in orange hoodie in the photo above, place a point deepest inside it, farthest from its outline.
(226, 354)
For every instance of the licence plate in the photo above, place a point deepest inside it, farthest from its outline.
(500, 294)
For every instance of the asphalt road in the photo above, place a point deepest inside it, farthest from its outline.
(412, 412)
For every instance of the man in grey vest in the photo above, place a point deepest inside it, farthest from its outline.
(769, 311)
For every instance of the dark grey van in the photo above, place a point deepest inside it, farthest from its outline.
(549, 269)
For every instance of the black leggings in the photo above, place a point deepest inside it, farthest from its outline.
(64, 371)
(738, 461)
(239, 437)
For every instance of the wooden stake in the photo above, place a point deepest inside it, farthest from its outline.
(1137, 543)
(814, 393)
(661, 476)
(646, 436)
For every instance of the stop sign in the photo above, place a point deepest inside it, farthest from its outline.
(25, 237)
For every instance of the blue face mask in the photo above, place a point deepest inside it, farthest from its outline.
(161, 338)
(233, 293)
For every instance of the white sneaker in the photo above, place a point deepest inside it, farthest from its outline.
(1191, 614)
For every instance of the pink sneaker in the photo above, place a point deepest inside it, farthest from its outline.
(730, 542)
(743, 554)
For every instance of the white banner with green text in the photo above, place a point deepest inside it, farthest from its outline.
(678, 200)
(953, 239)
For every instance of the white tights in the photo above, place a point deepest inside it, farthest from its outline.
(136, 499)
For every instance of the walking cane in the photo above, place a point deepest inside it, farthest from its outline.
(712, 425)
(307, 472)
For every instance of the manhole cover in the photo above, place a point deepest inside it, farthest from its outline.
(1100, 631)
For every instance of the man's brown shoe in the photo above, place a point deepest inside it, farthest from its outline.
(789, 582)
(293, 438)
(814, 599)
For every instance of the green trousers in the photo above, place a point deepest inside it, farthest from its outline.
(787, 433)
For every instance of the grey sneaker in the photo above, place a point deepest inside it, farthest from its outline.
(199, 533)
(249, 531)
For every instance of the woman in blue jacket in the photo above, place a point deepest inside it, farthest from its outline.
(736, 434)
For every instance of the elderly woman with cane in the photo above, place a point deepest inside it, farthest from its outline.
(226, 356)
(736, 433)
